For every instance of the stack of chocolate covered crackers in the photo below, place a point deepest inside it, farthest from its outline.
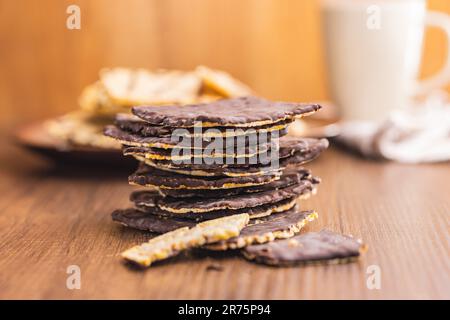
(224, 176)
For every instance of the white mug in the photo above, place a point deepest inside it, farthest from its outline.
(373, 52)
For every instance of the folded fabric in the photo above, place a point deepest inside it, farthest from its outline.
(418, 134)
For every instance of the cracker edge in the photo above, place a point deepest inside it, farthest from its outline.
(241, 242)
(140, 256)
(363, 248)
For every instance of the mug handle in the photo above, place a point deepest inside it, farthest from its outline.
(442, 77)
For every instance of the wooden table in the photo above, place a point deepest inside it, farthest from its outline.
(54, 217)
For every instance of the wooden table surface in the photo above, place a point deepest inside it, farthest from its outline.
(52, 217)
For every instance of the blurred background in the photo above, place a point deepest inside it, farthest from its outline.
(273, 46)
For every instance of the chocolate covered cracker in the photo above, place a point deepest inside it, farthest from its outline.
(148, 176)
(314, 247)
(171, 243)
(278, 226)
(254, 212)
(289, 177)
(181, 155)
(224, 171)
(238, 112)
(145, 221)
(178, 141)
(135, 125)
(249, 200)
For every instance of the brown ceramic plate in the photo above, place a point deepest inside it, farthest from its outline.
(35, 138)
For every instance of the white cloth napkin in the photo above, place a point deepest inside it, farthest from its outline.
(419, 134)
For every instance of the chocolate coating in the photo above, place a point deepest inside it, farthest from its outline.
(227, 112)
(324, 246)
(148, 176)
(168, 142)
(288, 178)
(140, 220)
(135, 125)
(265, 209)
(241, 201)
(280, 225)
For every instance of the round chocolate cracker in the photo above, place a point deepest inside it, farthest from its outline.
(132, 124)
(254, 212)
(148, 176)
(289, 145)
(249, 200)
(277, 226)
(130, 139)
(141, 220)
(186, 156)
(171, 243)
(302, 150)
(314, 247)
(168, 142)
(237, 112)
(217, 172)
(135, 125)
(145, 198)
(288, 178)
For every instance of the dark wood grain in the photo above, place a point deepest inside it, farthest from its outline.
(53, 217)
